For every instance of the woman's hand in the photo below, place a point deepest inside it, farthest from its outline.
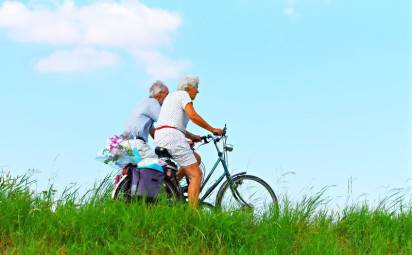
(217, 131)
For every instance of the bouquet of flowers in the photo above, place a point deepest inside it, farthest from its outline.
(119, 152)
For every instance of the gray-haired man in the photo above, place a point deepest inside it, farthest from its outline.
(141, 121)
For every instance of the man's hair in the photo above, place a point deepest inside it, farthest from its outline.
(157, 86)
(189, 80)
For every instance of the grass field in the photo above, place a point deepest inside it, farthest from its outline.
(42, 223)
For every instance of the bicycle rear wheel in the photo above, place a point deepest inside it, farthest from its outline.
(248, 192)
(169, 193)
(122, 190)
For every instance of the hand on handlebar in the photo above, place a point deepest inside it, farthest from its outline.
(196, 138)
(218, 131)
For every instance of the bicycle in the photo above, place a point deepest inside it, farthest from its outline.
(238, 191)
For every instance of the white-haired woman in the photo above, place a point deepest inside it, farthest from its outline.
(171, 133)
(142, 119)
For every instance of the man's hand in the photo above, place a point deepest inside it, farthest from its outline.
(217, 131)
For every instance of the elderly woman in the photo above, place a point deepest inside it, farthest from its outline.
(171, 133)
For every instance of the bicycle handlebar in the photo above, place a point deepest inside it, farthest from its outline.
(208, 138)
(216, 138)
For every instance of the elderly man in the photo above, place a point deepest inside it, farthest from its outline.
(171, 132)
(141, 121)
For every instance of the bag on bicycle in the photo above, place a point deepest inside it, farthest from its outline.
(147, 179)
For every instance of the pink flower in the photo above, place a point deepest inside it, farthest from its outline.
(116, 151)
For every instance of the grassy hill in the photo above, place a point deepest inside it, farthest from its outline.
(33, 223)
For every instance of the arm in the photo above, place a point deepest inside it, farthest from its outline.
(196, 118)
(152, 131)
(153, 112)
(193, 137)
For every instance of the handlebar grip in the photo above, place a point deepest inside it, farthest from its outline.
(223, 134)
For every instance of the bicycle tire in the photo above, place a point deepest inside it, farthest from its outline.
(122, 190)
(171, 193)
(226, 200)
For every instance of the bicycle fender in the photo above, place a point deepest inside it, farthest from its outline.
(234, 176)
(238, 174)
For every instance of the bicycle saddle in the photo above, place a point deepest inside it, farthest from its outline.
(162, 152)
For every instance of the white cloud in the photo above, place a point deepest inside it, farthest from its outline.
(126, 25)
(157, 65)
(77, 60)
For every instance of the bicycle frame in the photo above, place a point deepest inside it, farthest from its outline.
(226, 173)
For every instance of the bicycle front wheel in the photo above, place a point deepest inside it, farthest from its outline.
(247, 192)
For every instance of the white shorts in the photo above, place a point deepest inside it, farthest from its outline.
(144, 149)
(176, 144)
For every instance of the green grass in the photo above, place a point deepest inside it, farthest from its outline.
(42, 223)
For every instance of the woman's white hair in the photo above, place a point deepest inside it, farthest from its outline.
(189, 80)
(156, 87)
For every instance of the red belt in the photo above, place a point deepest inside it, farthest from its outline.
(162, 127)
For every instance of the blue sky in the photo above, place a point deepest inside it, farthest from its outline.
(320, 88)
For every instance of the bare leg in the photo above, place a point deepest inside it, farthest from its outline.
(198, 158)
(181, 172)
(195, 176)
